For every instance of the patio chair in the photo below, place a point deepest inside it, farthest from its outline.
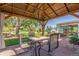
(52, 44)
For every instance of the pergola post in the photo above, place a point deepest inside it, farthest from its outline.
(17, 26)
(43, 24)
(78, 30)
(77, 16)
(17, 30)
(2, 44)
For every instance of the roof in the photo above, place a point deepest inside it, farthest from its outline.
(69, 23)
(39, 11)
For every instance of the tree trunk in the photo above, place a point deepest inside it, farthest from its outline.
(43, 28)
(43, 24)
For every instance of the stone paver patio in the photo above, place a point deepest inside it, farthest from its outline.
(65, 49)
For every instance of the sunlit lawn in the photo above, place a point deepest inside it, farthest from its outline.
(16, 41)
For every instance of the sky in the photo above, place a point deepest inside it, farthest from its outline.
(62, 19)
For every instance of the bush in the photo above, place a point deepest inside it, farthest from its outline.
(74, 40)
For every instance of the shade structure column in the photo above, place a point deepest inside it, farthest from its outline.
(2, 43)
(78, 30)
(17, 26)
(18, 34)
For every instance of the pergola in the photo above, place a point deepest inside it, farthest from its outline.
(39, 11)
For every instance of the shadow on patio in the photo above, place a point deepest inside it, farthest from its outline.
(64, 49)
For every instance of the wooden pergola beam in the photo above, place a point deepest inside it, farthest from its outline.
(26, 6)
(36, 7)
(52, 9)
(66, 7)
(48, 7)
(70, 13)
(46, 14)
(17, 15)
(20, 10)
(75, 15)
(30, 14)
(3, 4)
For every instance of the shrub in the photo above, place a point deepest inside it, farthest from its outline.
(74, 40)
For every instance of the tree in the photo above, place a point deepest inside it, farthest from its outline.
(43, 24)
(29, 24)
(18, 23)
(9, 24)
(48, 29)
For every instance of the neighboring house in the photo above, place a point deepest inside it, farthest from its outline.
(69, 27)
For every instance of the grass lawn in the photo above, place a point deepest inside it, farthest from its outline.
(15, 41)
(10, 42)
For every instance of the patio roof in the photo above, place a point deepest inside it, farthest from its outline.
(39, 11)
(69, 23)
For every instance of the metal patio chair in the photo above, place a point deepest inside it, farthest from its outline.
(52, 44)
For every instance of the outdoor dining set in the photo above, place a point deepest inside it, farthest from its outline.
(51, 42)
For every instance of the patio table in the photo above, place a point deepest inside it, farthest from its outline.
(37, 40)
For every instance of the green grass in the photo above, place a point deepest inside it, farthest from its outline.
(10, 42)
(25, 40)
(15, 41)
(39, 35)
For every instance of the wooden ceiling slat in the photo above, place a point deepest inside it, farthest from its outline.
(3, 4)
(53, 10)
(36, 7)
(26, 6)
(46, 14)
(18, 9)
(15, 14)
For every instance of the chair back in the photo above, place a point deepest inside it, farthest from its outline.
(53, 42)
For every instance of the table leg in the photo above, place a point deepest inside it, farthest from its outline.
(49, 47)
(39, 49)
(35, 50)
